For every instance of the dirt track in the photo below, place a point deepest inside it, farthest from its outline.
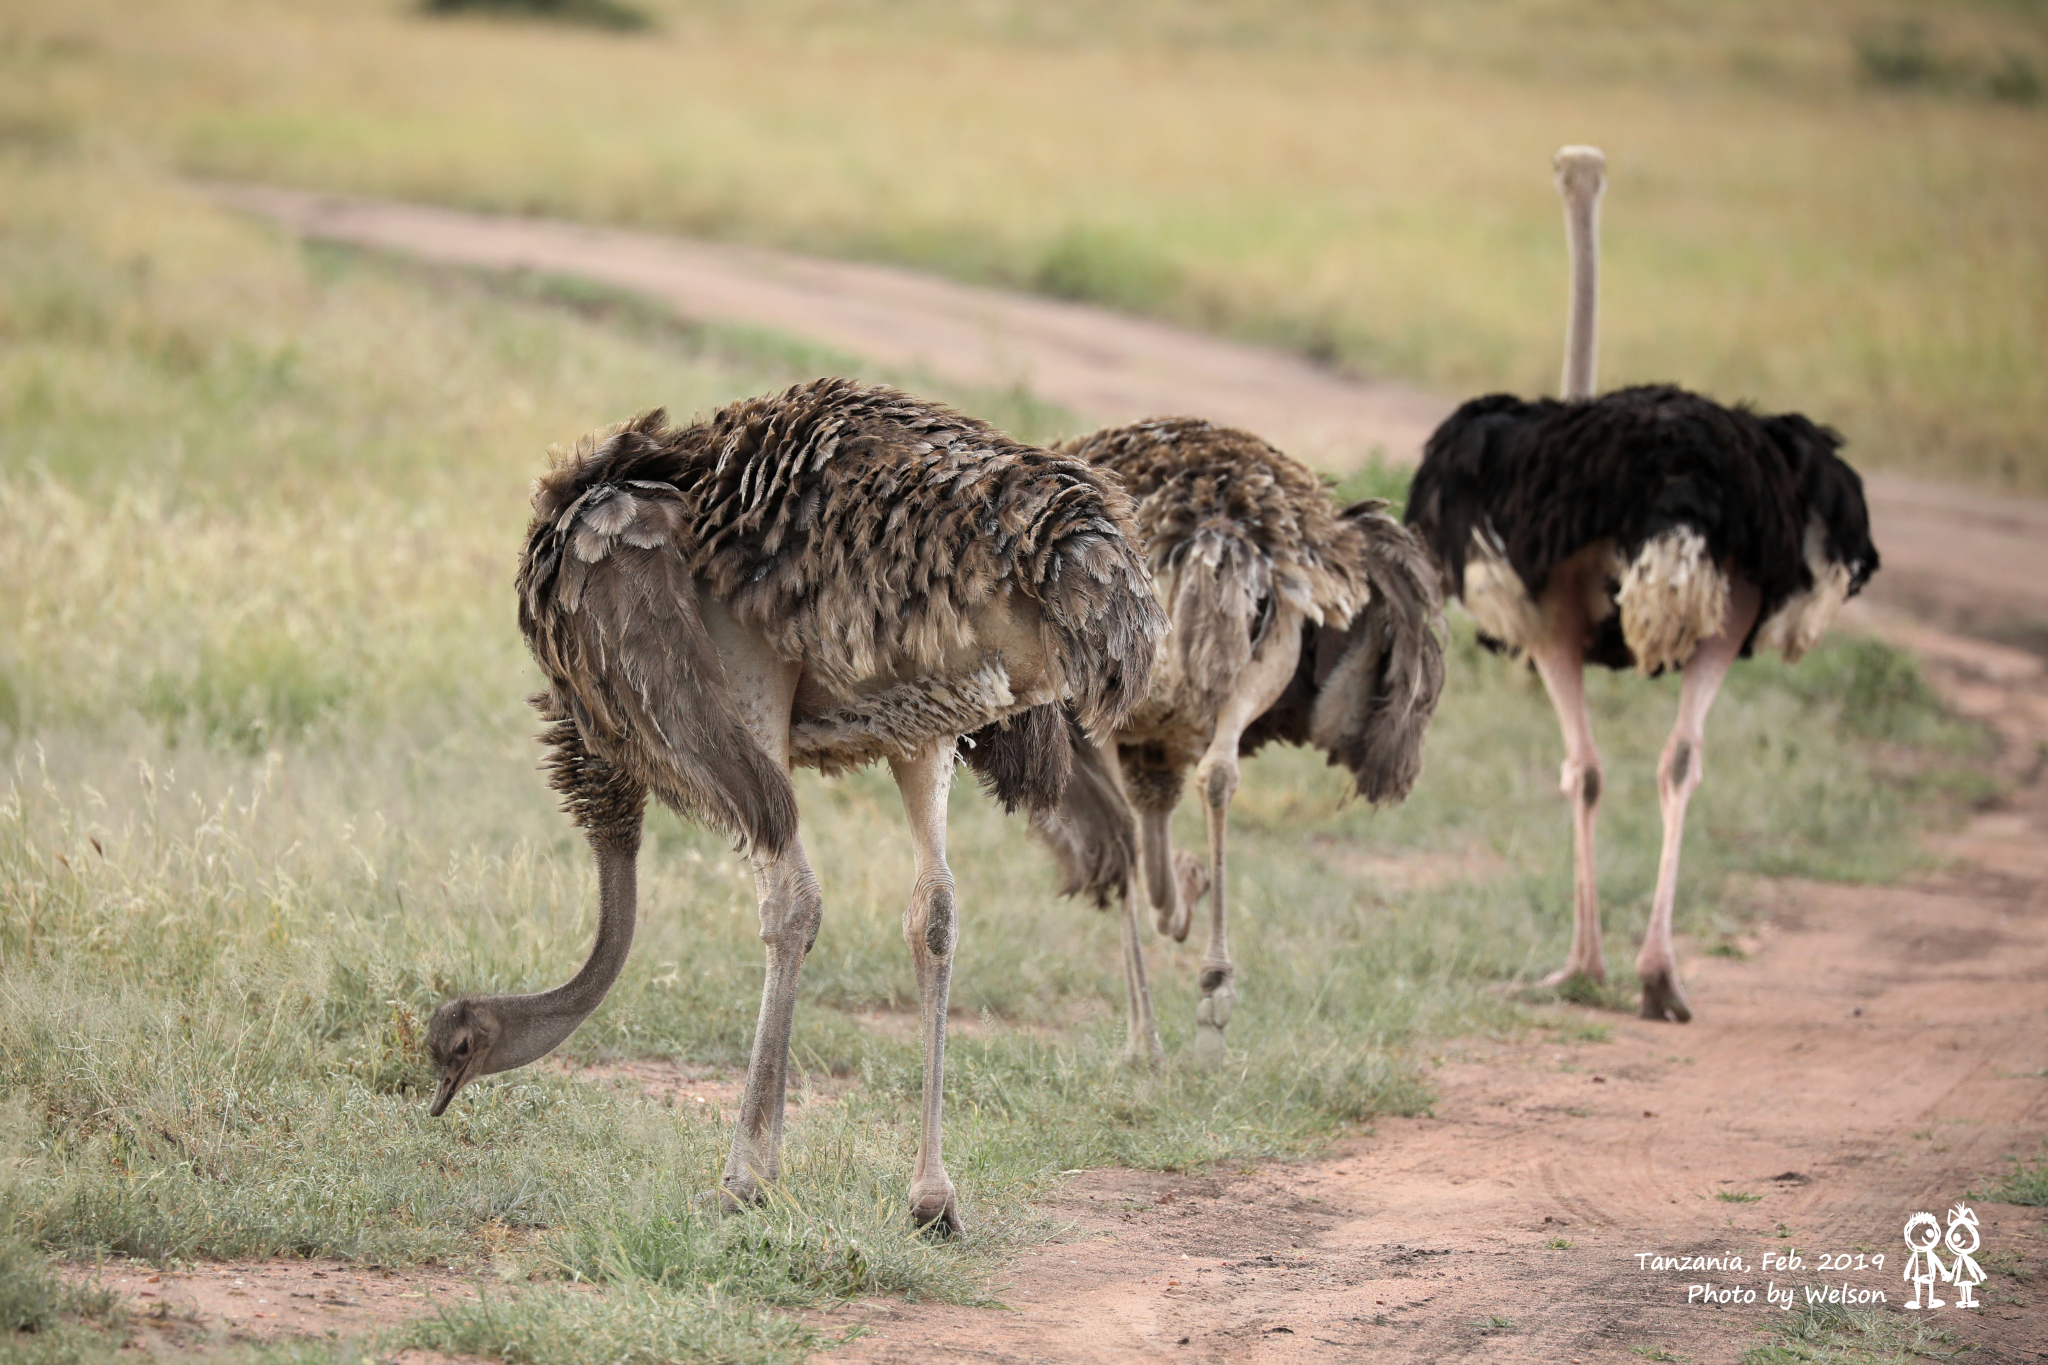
(1879, 1052)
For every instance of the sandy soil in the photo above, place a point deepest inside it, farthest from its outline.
(1881, 1050)
(206, 1306)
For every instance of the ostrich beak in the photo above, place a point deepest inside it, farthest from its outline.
(451, 1081)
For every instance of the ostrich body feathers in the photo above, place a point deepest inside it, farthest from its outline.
(1231, 529)
(1667, 493)
(907, 556)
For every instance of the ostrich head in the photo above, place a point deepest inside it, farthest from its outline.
(1581, 172)
(461, 1039)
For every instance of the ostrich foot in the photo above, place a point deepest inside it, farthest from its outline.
(1146, 1055)
(1597, 974)
(1212, 1016)
(937, 1212)
(729, 1199)
(1663, 998)
(1192, 877)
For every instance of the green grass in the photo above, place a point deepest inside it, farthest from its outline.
(602, 14)
(2025, 1183)
(1829, 1334)
(269, 795)
(1829, 205)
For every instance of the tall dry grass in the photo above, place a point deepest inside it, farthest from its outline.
(1814, 204)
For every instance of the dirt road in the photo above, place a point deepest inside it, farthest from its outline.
(1879, 1052)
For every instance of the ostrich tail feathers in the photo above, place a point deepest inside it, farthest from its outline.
(1098, 605)
(1375, 702)
(1091, 832)
(1218, 591)
(1024, 761)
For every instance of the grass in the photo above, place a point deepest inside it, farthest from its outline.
(602, 14)
(1830, 1334)
(2025, 1183)
(269, 795)
(1826, 204)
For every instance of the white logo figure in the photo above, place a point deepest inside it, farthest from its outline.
(1923, 1267)
(1963, 1272)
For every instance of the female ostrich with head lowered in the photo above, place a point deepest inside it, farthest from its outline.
(829, 576)
(1292, 621)
(1647, 527)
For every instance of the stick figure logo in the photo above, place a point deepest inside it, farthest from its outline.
(1925, 1269)
(1963, 1271)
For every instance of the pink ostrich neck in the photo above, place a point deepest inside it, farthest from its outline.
(1581, 175)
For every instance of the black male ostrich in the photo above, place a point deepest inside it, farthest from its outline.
(1648, 527)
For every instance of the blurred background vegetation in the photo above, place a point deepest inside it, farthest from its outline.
(1830, 205)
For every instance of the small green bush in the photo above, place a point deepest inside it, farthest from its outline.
(609, 14)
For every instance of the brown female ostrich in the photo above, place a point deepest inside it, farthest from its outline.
(1291, 621)
(1648, 527)
(829, 576)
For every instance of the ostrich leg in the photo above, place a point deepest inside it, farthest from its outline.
(1174, 878)
(1559, 661)
(1141, 1040)
(790, 909)
(1679, 772)
(931, 927)
(1216, 777)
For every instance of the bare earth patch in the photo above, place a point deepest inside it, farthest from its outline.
(195, 1307)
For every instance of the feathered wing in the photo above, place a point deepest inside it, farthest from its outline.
(610, 611)
(1676, 489)
(1837, 555)
(1379, 675)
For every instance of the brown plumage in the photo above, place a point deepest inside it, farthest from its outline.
(828, 576)
(1292, 620)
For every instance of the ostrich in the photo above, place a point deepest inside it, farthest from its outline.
(1649, 527)
(828, 576)
(1291, 621)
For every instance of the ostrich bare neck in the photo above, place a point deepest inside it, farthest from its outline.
(1581, 177)
(532, 1026)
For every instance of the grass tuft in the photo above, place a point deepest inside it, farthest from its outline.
(1833, 1334)
(2026, 1183)
(604, 14)
(629, 1325)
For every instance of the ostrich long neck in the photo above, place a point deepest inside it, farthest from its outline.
(1581, 175)
(535, 1025)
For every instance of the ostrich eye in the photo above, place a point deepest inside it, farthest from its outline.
(462, 1048)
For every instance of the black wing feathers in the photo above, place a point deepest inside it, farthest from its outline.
(1545, 479)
